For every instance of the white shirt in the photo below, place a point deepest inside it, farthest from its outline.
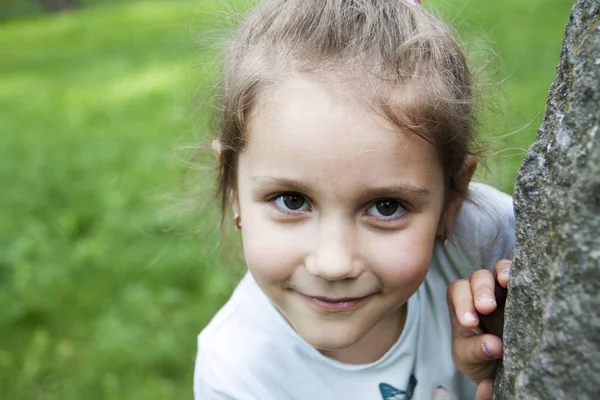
(249, 352)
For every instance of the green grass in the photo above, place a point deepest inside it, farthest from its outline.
(103, 285)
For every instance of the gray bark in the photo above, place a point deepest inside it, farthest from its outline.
(552, 327)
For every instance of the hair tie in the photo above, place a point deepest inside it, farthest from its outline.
(415, 2)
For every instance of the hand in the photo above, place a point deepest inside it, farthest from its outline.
(477, 316)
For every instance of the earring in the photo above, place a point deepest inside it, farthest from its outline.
(237, 221)
(216, 147)
(444, 237)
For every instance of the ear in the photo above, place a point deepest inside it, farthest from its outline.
(216, 147)
(457, 196)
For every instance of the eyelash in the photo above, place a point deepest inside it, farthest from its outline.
(404, 213)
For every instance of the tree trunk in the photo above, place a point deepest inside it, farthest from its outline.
(552, 328)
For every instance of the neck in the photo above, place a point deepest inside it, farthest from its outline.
(375, 343)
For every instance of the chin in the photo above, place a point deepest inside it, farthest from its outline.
(330, 338)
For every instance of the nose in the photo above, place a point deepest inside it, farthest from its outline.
(335, 256)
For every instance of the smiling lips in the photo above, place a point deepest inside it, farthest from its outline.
(336, 305)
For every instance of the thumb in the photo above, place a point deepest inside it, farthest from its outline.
(476, 357)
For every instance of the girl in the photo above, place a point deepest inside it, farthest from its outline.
(346, 151)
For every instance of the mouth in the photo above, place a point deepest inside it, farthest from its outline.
(336, 304)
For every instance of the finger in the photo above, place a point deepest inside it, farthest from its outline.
(483, 286)
(502, 272)
(484, 390)
(462, 310)
(476, 356)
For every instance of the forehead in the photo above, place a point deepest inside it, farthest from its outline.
(321, 131)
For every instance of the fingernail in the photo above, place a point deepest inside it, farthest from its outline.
(487, 351)
(470, 317)
(486, 298)
(506, 271)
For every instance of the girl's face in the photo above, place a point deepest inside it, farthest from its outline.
(339, 216)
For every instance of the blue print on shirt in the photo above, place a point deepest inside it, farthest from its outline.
(388, 392)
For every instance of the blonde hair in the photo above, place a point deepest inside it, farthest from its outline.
(400, 60)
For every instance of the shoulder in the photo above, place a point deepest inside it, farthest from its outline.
(488, 203)
(215, 378)
(488, 220)
(220, 371)
(483, 233)
(234, 345)
(240, 327)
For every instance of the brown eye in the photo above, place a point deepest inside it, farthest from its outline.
(291, 202)
(387, 208)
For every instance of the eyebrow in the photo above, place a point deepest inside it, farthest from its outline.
(408, 189)
(292, 184)
(413, 191)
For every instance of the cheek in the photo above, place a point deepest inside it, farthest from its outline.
(271, 252)
(403, 259)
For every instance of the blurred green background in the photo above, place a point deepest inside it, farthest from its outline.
(105, 279)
